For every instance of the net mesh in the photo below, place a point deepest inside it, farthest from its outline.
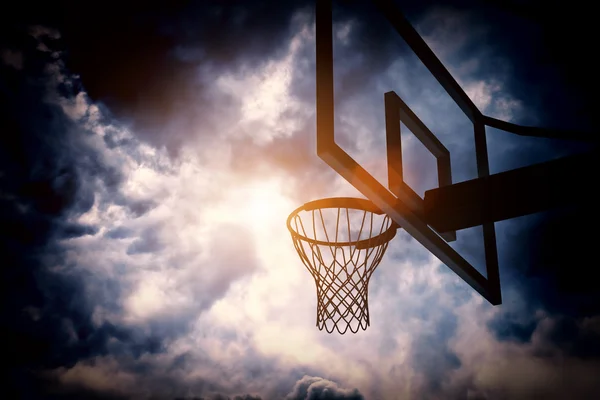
(341, 247)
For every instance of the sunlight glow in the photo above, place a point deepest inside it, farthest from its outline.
(258, 205)
(264, 204)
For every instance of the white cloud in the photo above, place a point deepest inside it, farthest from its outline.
(448, 32)
(268, 109)
(77, 107)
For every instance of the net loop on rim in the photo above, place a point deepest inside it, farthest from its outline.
(341, 241)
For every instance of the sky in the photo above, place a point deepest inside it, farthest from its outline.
(150, 156)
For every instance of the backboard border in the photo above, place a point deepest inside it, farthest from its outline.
(396, 111)
(347, 167)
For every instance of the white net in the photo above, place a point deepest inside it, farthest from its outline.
(341, 242)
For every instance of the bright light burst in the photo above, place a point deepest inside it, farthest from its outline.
(259, 205)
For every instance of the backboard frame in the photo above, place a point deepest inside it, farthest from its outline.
(396, 111)
(399, 204)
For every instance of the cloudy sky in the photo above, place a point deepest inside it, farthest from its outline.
(149, 158)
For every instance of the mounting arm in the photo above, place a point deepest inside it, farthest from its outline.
(510, 194)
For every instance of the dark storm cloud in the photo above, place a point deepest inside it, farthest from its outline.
(510, 327)
(143, 61)
(50, 174)
(406, 252)
(431, 354)
(147, 242)
(545, 256)
(69, 231)
(374, 46)
(189, 375)
(547, 65)
(553, 72)
(316, 388)
(244, 397)
(566, 336)
(140, 207)
(548, 259)
(47, 175)
(554, 251)
(120, 232)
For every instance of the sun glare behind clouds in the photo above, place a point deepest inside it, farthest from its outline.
(259, 205)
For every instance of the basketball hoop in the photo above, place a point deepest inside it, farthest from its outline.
(341, 241)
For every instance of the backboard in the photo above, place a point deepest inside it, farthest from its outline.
(396, 198)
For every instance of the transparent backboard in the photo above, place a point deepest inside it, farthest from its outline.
(394, 123)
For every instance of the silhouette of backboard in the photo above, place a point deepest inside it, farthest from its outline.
(395, 197)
